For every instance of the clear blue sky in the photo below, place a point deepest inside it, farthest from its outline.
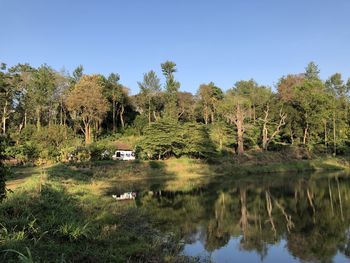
(220, 41)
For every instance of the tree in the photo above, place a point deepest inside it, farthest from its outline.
(113, 90)
(265, 131)
(22, 76)
(77, 74)
(40, 93)
(252, 91)
(312, 71)
(123, 101)
(339, 105)
(287, 95)
(185, 106)
(164, 139)
(221, 133)
(161, 139)
(312, 104)
(171, 89)
(87, 104)
(234, 108)
(149, 89)
(209, 96)
(7, 93)
(63, 84)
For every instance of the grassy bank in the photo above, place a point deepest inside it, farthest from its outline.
(48, 220)
(65, 213)
(171, 174)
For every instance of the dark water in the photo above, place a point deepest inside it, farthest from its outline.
(289, 218)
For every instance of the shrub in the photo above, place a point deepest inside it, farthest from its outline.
(3, 170)
(74, 231)
(26, 152)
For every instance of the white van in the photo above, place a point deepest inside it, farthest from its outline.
(125, 155)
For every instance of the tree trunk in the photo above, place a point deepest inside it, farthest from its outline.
(4, 117)
(240, 130)
(113, 115)
(206, 115)
(281, 123)
(325, 136)
(121, 115)
(149, 112)
(38, 124)
(334, 136)
(25, 118)
(265, 131)
(87, 133)
(155, 116)
(305, 134)
(254, 114)
(212, 116)
(61, 114)
(264, 143)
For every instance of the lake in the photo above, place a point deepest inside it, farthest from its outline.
(275, 218)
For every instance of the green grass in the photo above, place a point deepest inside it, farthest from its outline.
(54, 222)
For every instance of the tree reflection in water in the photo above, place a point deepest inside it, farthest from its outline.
(310, 213)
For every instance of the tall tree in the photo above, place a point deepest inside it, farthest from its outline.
(287, 95)
(22, 77)
(78, 73)
(185, 106)
(312, 104)
(40, 93)
(209, 96)
(339, 105)
(123, 101)
(114, 93)
(149, 89)
(312, 71)
(171, 89)
(7, 92)
(235, 109)
(87, 104)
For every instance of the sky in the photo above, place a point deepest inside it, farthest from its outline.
(209, 40)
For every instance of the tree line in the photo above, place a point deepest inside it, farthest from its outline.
(55, 106)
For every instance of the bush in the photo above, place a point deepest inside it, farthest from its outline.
(81, 154)
(3, 169)
(26, 152)
(48, 144)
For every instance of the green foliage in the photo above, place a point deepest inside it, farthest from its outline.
(4, 172)
(74, 231)
(45, 113)
(25, 152)
(22, 257)
(164, 139)
(44, 144)
(196, 140)
(312, 72)
(222, 135)
(171, 89)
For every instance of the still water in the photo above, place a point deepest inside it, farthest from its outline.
(280, 218)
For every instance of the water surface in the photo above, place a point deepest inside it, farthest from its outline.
(276, 218)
